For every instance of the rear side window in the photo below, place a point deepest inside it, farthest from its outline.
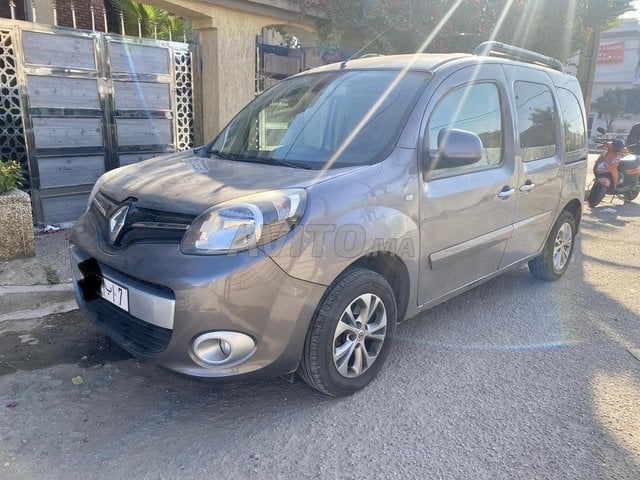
(575, 136)
(474, 108)
(536, 120)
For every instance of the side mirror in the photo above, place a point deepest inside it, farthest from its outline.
(457, 148)
(601, 131)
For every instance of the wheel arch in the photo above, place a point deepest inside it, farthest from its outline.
(574, 207)
(394, 271)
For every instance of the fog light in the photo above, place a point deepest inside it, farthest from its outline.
(215, 349)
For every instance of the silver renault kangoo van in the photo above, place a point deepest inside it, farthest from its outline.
(338, 203)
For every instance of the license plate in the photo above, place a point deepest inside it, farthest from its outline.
(115, 293)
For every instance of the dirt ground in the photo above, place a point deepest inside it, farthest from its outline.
(516, 378)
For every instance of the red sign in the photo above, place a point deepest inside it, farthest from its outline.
(611, 53)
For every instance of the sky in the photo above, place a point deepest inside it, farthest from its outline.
(635, 14)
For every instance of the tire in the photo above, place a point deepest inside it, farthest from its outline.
(323, 365)
(547, 266)
(597, 193)
(631, 195)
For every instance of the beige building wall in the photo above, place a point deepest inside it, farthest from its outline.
(227, 39)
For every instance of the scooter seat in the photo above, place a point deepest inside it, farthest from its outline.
(629, 162)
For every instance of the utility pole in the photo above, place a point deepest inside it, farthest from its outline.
(587, 64)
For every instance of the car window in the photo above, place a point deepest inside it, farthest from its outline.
(325, 120)
(536, 120)
(474, 108)
(573, 122)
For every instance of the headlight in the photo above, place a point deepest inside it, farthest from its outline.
(244, 223)
(601, 165)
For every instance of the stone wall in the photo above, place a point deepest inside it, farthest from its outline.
(16, 226)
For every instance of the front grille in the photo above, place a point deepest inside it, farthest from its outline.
(137, 336)
(141, 225)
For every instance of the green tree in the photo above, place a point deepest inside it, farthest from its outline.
(548, 26)
(633, 101)
(610, 105)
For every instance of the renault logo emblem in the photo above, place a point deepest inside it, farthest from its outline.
(116, 222)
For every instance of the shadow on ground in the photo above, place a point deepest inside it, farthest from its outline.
(57, 339)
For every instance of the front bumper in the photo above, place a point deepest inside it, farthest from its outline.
(173, 298)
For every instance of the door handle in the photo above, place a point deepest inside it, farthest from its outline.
(527, 187)
(506, 192)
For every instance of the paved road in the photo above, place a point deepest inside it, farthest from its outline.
(514, 379)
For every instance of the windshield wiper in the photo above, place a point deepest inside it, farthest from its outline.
(271, 161)
(265, 160)
(221, 154)
(286, 163)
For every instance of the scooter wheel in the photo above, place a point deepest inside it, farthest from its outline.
(597, 193)
(631, 195)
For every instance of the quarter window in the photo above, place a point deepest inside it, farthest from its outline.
(575, 136)
(536, 120)
(474, 108)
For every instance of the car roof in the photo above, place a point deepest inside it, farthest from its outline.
(417, 61)
(430, 62)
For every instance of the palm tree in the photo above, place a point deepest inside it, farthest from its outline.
(149, 21)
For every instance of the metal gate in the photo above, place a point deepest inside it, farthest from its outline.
(274, 63)
(79, 103)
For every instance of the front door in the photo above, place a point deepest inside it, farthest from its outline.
(540, 176)
(466, 212)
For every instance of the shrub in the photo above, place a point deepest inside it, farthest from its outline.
(10, 176)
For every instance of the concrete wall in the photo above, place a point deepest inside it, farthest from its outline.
(227, 38)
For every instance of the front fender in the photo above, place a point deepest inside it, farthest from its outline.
(320, 252)
(374, 210)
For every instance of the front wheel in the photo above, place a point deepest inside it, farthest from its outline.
(350, 334)
(555, 257)
(597, 193)
(632, 194)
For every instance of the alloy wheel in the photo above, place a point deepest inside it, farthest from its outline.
(359, 335)
(562, 247)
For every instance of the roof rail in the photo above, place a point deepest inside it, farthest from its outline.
(503, 50)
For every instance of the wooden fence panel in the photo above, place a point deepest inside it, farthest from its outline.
(70, 170)
(65, 132)
(143, 131)
(54, 49)
(128, 57)
(142, 95)
(62, 92)
(88, 102)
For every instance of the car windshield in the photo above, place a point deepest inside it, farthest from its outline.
(323, 120)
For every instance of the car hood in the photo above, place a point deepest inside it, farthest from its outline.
(186, 183)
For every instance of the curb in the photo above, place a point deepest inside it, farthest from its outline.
(27, 302)
(60, 287)
(31, 313)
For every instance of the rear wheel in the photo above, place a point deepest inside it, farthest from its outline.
(597, 193)
(350, 335)
(632, 194)
(555, 257)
